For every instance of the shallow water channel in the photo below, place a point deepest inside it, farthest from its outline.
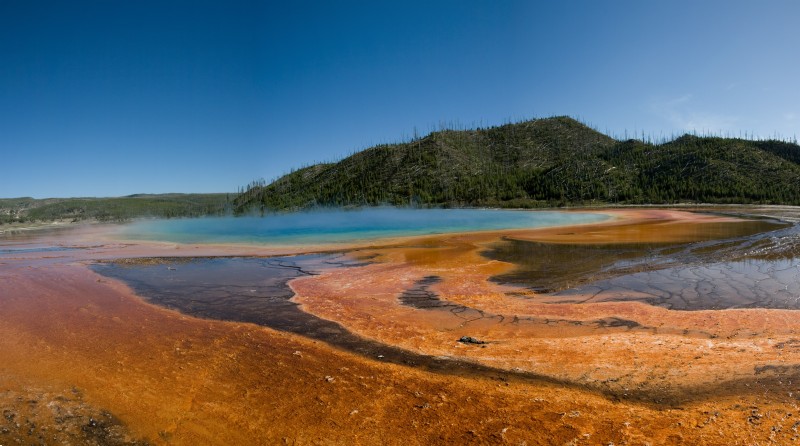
(255, 290)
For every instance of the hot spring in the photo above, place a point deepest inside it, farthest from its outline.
(317, 227)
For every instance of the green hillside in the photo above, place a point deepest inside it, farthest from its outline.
(544, 162)
(21, 210)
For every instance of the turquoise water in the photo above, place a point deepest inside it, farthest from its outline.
(345, 226)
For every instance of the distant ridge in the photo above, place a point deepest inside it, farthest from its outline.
(26, 209)
(543, 162)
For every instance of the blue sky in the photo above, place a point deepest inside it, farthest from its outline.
(109, 98)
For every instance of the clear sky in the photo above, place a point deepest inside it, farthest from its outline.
(109, 98)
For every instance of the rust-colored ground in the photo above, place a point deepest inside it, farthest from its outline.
(74, 341)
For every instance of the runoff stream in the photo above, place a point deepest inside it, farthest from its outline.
(753, 265)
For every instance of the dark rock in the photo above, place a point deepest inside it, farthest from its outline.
(470, 340)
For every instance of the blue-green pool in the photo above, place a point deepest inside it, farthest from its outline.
(345, 226)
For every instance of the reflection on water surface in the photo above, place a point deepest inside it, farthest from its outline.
(718, 286)
(732, 265)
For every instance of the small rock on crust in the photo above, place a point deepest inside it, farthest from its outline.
(470, 340)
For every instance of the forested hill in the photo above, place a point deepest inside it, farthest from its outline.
(544, 162)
